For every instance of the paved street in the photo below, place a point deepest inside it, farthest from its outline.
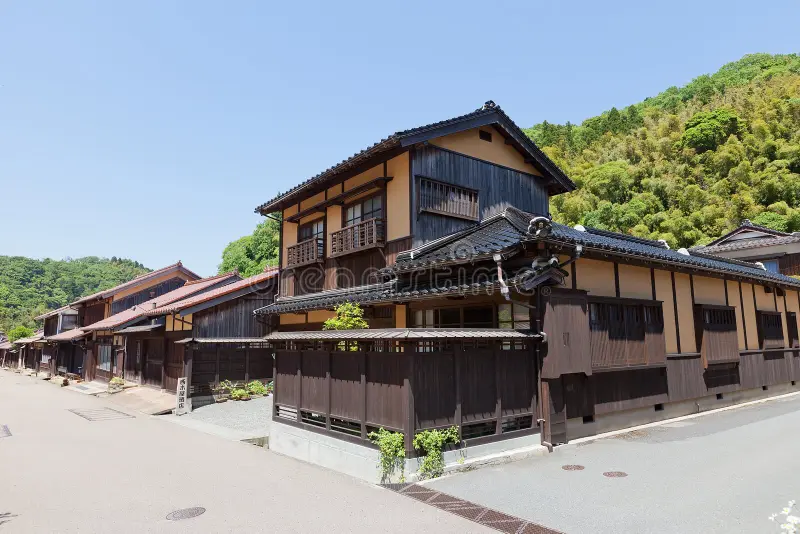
(724, 472)
(62, 473)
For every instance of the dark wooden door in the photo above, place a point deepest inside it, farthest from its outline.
(153, 362)
(104, 362)
(566, 323)
(173, 366)
(554, 412)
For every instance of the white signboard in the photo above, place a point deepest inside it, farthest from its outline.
(182, 406)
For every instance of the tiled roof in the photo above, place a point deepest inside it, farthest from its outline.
(54, 312)
(400, 334)
(653, 250)
(255, 282)
(747, 226)
(68, 335)
(136, 281)
(750, 243)
(36, 337)
(490, 111)
(6, 345)
(131, 314)
(497, 233)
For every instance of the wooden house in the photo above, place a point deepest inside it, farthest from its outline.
(99, 360)
(158, 362)
(29, 351)
(217, 336)
(778, 252)
(487, 315)
(60, 327)
(5, 351)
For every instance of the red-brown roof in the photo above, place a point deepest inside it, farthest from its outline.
(126, 316)
(53, 312)
(254, 281)
(68, 335)
(138, 280)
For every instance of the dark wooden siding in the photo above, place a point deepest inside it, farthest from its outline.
(715, 330)
(232, 319)
(498, 187)
(146, 294)
(626, 333)
(92, 314)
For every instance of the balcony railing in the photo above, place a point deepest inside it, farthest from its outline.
(359, 236)
(305, 252)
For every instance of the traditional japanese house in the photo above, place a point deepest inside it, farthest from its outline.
(58, 352)
(5, 349)
(486, 315)
(779, 252)
(98, 360)
(216, 336)
(29, 351)
(157, 362)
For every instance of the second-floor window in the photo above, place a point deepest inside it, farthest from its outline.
(364, 210)
(310, 230)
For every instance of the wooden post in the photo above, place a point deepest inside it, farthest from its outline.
(328, 355)
(408, 431)
(363, 366)
(458, 354)
(497, 389)
(299, 385)
(246, 365)
(274, 383)
(216, 372)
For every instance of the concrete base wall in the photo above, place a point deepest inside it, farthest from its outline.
(576, 428)
(362, 462)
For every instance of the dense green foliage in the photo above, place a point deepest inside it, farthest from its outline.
(689, 164)
(431, 442)
(349, 316)
(393, 453)
(19, 332)
(252, 253)
(31, 287)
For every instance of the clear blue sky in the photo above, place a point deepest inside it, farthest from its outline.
(151, 129)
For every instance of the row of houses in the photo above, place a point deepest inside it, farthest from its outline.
(483, 313)
(160, 326)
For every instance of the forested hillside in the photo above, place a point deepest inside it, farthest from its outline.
(689, 164)
(30, 287)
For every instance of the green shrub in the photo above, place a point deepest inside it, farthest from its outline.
(240, 394)
(256, 387)
(117, 381)
(271, 387)
(393, 452)
(431, 442)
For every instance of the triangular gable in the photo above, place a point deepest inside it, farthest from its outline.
(748, 230)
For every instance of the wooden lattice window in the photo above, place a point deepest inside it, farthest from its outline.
(715, 332)
(791, 324)
(448, 199)
(770, 330)
(626, 332)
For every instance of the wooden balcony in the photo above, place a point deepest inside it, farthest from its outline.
(306, 252)
(357, 237)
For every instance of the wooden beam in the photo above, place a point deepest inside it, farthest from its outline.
(320, 207)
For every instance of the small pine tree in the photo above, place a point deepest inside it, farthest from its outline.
(349, 316)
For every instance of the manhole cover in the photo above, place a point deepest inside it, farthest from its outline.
(572, 467)
(4, 431)
(186, 513)
(100, 414)
(615, 474)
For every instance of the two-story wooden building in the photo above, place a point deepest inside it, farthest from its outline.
(61, 324)
(487, 315)
(99, 358)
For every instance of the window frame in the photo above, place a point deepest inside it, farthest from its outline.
(360, 202)
(311, 224)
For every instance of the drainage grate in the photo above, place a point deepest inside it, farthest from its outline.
(468, 510)
(186, 513)
(4, 431)
(82, 388)
(615, 474)
(572, 467)
(100, 414)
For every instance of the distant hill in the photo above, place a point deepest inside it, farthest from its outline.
(690, 163)
(30, 287)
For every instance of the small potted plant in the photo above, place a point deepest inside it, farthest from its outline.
(116, 385)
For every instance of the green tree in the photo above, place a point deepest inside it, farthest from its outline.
(249, 255)
(349, 316)
(19, 332)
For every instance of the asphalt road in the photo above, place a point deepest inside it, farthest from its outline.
(62, 473)
(724, 472)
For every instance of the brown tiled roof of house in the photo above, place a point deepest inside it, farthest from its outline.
(138, 280)
(52, 312)
(68, 335)
(254, 281)
(126, 316)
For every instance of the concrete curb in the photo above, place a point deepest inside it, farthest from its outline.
(614, 433)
